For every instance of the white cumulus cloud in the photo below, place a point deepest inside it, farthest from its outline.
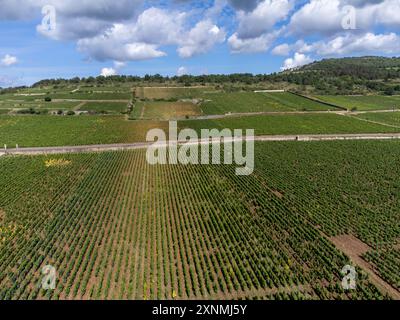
(257, 28)
(182, 71)
(252, 45)
(153, 29)
(8, 60)
(263, 18)
(107, 72)
(118, 65)
(119, 46)
(368, 43)
(200, 39)
(87, 18)
(327, 16)
(130, 30)
(281, 50)
(297, 61)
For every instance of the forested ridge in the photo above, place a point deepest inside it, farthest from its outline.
(364, 75)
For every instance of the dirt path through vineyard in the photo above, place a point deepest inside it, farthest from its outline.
(355, 248)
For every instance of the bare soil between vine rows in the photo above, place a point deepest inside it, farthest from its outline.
(355, 248)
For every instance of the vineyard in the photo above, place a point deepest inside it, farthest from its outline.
(291, 124)
(46, 130)
(92, 94)
(387, 118)
(386, 261)
(42, 131)
(115, 227)
(105, 99)
(215, 102)
(297, 103)
(167, 93)
(104, 107)
(364, 103)
(15, 105)
(363, 202)
(241, 102)
(89, 93)
(162, 110)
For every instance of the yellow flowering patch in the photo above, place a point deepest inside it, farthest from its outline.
(57, 163)
(6, 123)
(7, 232)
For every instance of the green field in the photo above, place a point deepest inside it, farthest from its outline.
(115, 227)
(343, 188)
(91, 95)
(105, 107)
(40, 131)
(171, 92)
(9, 97)
(389, 118)
(123, 88)
(386, 262)
(165, 110)
(247, 102)
(298, 103)
(240, 102)
(364, 103)
(28, 131)
(39, 105)
(360, 203)
(291, 124)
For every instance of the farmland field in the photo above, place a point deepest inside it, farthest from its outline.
(218, 102)
(389, 118)
(200, 158)
(171, 92)
(297, 103)
(386, 261)
(38, 105)
(22, 97)
(364, 103)
(291, 124)
(121, 88)
(109, 107)
(90, 95)
(115, 227)
(240, 102)
(40, 131)
(165, 110)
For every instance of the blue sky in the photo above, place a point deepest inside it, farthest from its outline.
(91, 37)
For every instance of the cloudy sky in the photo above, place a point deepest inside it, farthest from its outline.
(53, 38)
